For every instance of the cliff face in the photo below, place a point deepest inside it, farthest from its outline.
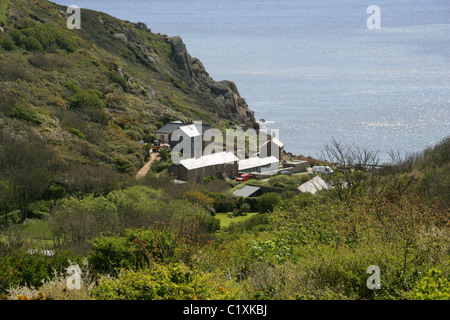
(97, 93)
(225, 93)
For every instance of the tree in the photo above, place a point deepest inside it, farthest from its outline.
(163, 154)
(353, 165)
(26, 169)
(268, 201)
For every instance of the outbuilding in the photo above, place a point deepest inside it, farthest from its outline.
(218, 165)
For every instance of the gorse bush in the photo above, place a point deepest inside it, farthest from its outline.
(109, 254)
(7, 42)
(166, 282)
(433, 286)
(32, 36)
(31, 269)
(26, 113)
(86, 98)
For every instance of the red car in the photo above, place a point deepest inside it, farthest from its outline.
(243, 177)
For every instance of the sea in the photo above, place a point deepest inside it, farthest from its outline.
(319, 70)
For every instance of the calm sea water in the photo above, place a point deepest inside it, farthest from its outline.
(313, 70)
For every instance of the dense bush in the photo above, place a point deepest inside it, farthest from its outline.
(109, 254)
(288, 182)
(115, 77)
(223, 203)
(200, 198)
(39, 37)
(268, 201)
(31, 269)
(159, 166)
(7, 42)
(41, 61)
(304, 247)
(433, 286)
(79, 220)
(26, 113)
(86, 98)
(166, 282)
(12, 72)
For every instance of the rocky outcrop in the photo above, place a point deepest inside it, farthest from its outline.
(224, 93)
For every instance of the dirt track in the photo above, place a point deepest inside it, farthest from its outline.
(144, 170)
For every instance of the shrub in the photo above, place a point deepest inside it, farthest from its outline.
(12, 72)
(136, 206)
(164, 154)
(86, 98)
(112, 253)
(245, 208)
(288, 182)
(268, 201)
(166, 282)
(224, 203)
(431, 287)
(27, 269)
(26, 113)
(115, 77)
(75, 132)
(7, 42)
(159, 166)
(7, 101)
(33, 44)
(39, 37)
(200, 198)
(288, 195)
(79, 220)
(161, 243)
(40, 60)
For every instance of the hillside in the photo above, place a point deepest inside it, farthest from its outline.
(91, 95)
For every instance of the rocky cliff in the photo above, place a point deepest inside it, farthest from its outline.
(225, 93)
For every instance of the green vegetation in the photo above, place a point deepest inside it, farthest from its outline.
(73, 106)
(157, 240)
(3, 5)
(288, 182)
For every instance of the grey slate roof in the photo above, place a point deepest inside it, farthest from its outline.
(246, 191)
(170, 128)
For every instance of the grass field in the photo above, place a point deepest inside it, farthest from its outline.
(225, 220)
(39, 232)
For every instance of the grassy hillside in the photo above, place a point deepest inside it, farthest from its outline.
(92, 94)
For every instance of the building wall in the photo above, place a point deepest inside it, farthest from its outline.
(260, 169)
(297, 166)
(197, 175)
